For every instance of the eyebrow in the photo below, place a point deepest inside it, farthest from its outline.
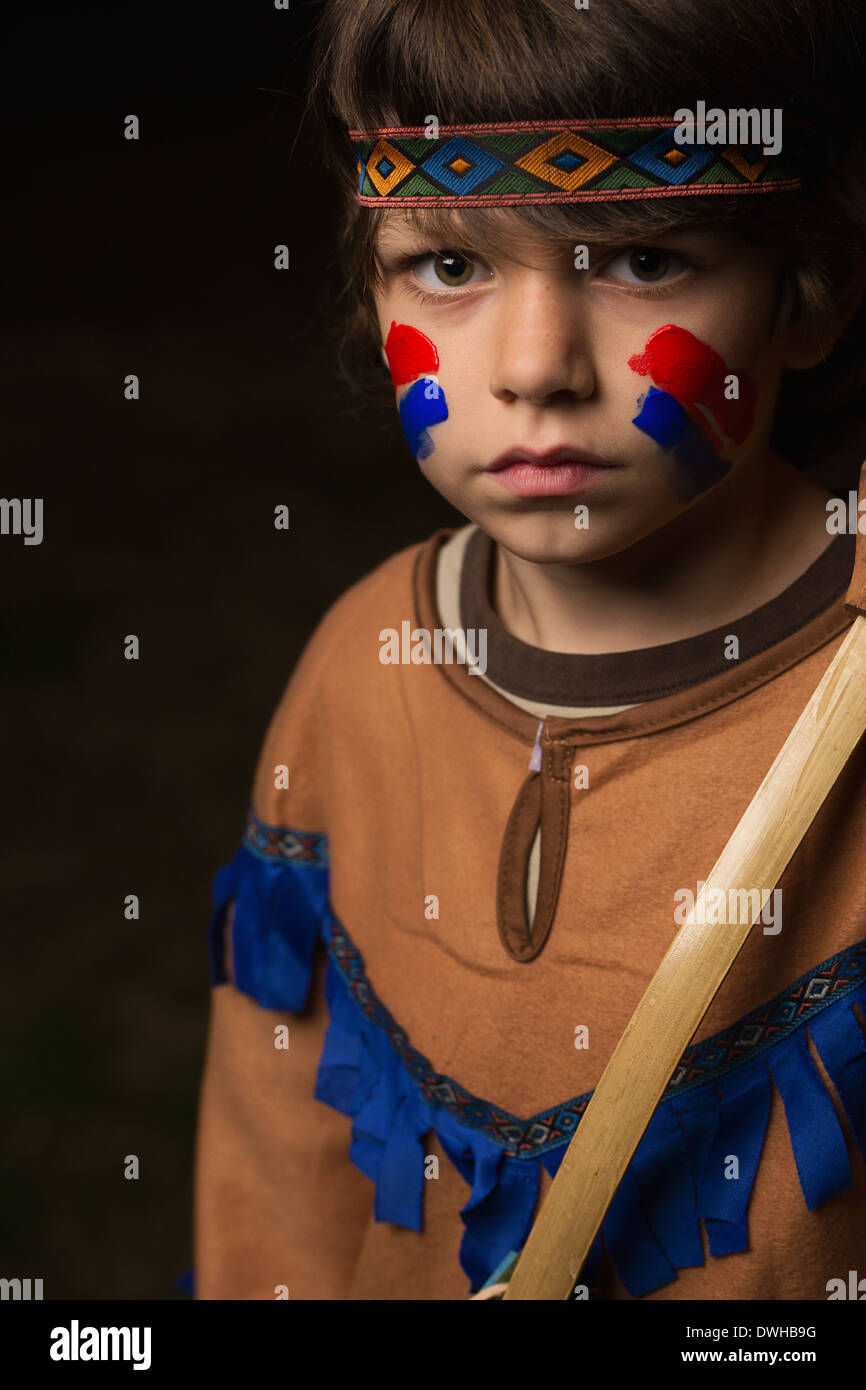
(401, 225)
(454, 237)
(392, 253)
(395, 242)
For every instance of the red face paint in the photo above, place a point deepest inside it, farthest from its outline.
(691, 372)
(410, 354)
(414, 362)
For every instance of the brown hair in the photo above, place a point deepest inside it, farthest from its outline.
(394, 62)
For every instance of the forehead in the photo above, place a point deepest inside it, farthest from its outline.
(501, 229)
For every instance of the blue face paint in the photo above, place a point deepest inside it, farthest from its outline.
(422, 406)
(413, 362)
(671, 426)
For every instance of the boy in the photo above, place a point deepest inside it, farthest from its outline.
(465, 855)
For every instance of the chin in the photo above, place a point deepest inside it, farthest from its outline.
(551, 539)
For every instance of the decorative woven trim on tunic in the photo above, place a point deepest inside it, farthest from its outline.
(717, 1102)
(275, 844)
(562, 161)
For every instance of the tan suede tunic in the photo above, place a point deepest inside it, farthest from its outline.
(509, 919)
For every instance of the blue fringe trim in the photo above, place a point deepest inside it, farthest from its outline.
(279, 906)
(697, 1159)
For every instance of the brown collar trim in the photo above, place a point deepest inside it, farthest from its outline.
(707, 693)
(650, 673)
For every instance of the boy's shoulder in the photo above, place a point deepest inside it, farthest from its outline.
(344, 646)
(382, 597)
(338, 687)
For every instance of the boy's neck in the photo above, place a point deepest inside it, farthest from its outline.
(710, 566)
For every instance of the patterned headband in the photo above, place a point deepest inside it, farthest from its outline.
(554, 162)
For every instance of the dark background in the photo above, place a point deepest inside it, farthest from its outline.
(156, 258)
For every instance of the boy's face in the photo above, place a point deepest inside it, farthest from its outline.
(656, 361)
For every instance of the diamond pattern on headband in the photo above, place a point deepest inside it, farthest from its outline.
(533, 162)
(750, 162)
(667, 160)
(461, 165)
(387, 167)
(567, 161)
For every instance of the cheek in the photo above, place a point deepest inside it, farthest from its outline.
(414, 365)
(696, 376)
(409, 353)
(696, 404)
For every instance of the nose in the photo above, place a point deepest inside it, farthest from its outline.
(542, 352)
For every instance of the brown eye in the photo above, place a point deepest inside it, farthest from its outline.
(452, 269)
(647, 263)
